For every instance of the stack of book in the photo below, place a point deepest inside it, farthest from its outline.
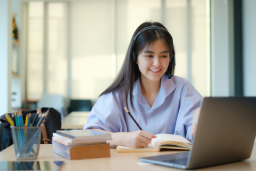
(81, 144)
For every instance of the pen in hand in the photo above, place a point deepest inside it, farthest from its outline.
(125, 108)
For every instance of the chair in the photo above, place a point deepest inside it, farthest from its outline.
(53, 100)
(79, 105)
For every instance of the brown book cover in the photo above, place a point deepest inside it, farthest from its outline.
(83, 151)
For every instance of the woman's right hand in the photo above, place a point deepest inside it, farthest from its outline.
(136, 139)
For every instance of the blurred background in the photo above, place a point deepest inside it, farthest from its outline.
(66, 52)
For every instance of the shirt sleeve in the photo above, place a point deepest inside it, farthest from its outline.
(190, 100)
(107, 113)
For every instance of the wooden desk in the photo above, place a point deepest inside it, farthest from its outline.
(121, 161)
(75, 120)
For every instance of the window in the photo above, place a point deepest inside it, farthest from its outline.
(35, 50)
(91, 49)
(50, 56)
(100, 32)
(57, 49)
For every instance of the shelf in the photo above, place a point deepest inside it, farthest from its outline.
(15, 75)
(15, 43)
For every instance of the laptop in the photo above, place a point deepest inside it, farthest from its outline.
(225, 133)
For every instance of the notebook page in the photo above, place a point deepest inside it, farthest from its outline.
(129, 149)
(168, 137)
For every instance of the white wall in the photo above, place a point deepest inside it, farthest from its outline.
(18, 82)
(249, 47)
(5, 56)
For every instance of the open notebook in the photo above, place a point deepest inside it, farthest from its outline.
(163, 141)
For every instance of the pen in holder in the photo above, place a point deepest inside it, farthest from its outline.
(27, 145)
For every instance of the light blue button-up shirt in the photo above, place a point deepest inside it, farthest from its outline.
(171, 113)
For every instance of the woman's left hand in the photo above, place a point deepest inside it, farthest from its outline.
(195, 119)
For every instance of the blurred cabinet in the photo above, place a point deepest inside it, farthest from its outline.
(16, 101)
(16, 92)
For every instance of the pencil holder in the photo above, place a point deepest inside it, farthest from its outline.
(26, 142)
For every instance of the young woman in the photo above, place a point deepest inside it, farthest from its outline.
(158, 101)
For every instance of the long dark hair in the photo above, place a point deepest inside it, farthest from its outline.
(130, 72)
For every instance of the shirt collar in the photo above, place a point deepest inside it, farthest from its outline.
(137, 92)
(167, 87)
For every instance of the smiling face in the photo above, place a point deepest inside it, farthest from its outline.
(153, 61)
